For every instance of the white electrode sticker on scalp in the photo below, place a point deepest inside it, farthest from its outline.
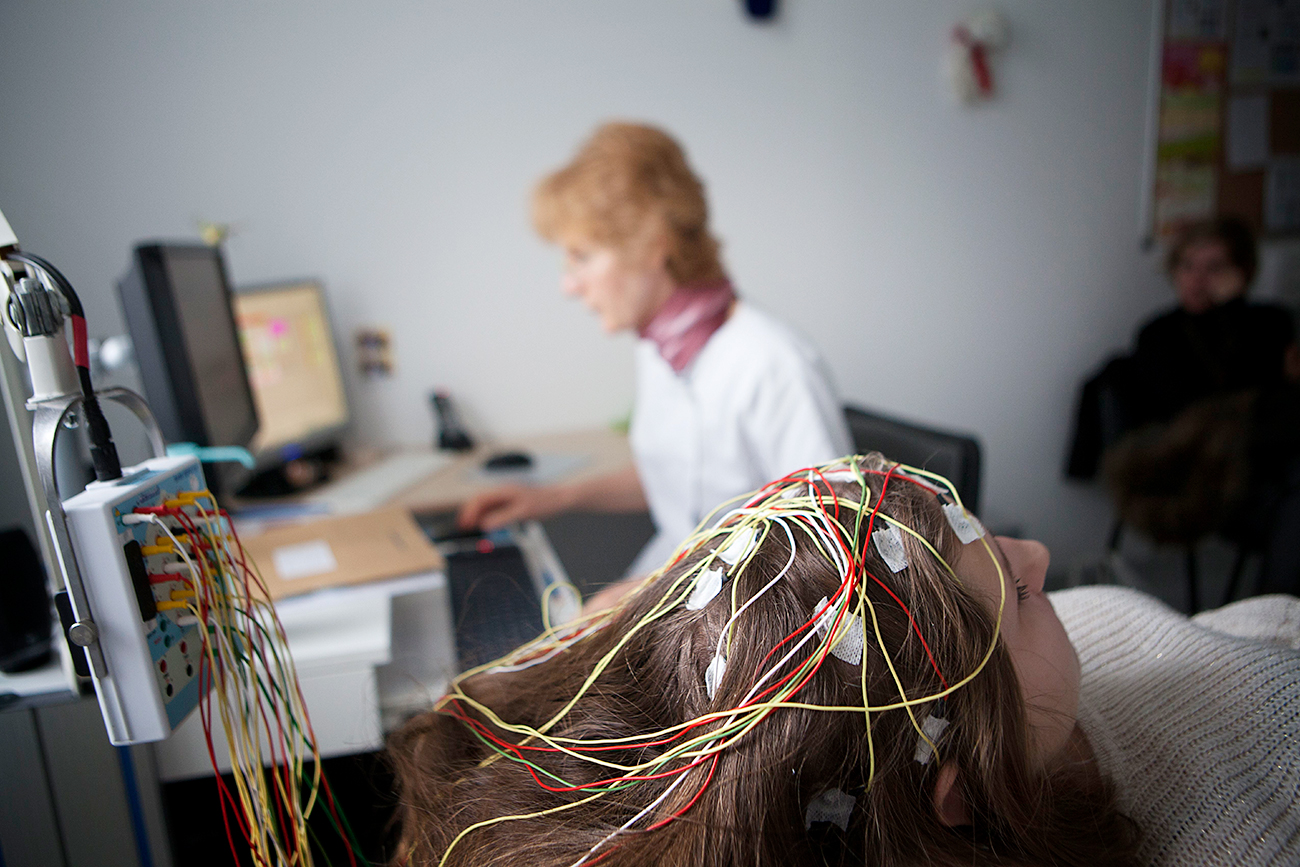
(839, 474)
(738, 545)
(919, 481)
(849, 645)
(831, 806)
(707, 586)
(963, 523)
(889, 543)
(713, 674)
(933, 727)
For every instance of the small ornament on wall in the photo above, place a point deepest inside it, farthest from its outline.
(374, 352)
(215, 234)
(968, 66)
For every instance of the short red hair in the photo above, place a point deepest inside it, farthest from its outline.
(626, 182)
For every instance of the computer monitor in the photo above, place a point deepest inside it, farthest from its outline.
(293, 366)
(176, 299)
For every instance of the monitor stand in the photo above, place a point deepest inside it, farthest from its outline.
(292, 477)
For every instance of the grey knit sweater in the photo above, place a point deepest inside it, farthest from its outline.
(1197, 721)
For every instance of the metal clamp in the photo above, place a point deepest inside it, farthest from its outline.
(49, 419)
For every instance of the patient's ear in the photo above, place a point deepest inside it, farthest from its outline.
(949, 805)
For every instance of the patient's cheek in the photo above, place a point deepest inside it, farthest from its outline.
(1050, 684)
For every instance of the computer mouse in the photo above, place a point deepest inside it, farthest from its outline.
(508, 461)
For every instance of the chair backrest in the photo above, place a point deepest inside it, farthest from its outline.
(955, 456)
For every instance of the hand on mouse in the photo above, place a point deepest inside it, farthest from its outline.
(507, 504)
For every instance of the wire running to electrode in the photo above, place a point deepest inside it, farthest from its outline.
(837, 523)
(246, 674)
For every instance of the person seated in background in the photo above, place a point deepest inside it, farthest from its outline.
(847, 669)
(726, 396)
(1214, 342)
(1199, 428)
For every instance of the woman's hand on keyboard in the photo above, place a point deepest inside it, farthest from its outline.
(507, 504)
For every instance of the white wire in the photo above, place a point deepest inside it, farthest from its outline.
(243, 751)
(726, 629)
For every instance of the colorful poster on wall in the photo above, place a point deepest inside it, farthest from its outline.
(1190, 139)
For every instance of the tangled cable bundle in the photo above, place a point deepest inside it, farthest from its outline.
(855, 651)
(246, 675)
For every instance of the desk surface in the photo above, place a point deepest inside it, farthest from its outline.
(603, 451)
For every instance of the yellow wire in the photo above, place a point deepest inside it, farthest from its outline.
(709, 743)
(257, 674)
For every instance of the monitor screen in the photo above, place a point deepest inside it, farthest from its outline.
(203, 306)
(177, 304)
(293, 366)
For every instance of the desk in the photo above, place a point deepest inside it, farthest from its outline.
(368, 657)
(371, 655)
(603, 451)
(52, 678)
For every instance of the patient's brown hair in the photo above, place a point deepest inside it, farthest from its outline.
(753, 809)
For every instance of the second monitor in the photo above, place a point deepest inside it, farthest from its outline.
(293, 368)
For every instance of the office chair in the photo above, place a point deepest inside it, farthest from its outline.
(956, 456)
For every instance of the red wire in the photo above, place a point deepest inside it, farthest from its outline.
(859, 562)
(817, 614)
(713, 767)
(80, 343)
(603, 855)
(224, 795)
(915, 628)
(246, 572)
(515, 748)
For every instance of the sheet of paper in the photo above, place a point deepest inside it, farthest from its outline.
(304, 560)
(1247, 132)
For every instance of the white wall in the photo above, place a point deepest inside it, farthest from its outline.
(962, 267)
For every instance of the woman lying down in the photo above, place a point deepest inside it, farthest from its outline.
(848, 670)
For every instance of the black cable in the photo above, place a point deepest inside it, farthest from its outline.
(74, 301)
(103, 453)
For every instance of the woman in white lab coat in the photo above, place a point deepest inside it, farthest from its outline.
(727, 398)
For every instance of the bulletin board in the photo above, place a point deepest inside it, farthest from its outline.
(1228, 131)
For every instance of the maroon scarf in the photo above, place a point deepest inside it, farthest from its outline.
(687, 321)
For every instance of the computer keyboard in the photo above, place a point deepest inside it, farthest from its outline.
(372, 486)
(494, 603)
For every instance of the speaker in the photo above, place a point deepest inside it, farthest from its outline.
(25, 623)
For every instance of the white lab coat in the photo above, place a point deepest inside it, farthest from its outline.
(754, 405)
